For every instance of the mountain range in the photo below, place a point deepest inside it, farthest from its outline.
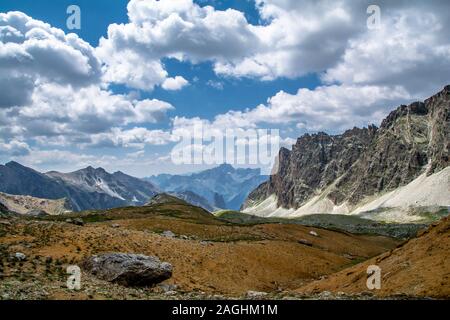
(223, 187)
(383, 173)
(398, 172)
(84, 189)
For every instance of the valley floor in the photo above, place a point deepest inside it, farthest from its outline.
(212, 258)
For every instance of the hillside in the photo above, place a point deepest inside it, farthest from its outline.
(84, 189)
(195, 200)
(3, 209)
(419, 267)
(20, 180)
(348, 223)
(94, 188)
(208, 255)
(29, 205)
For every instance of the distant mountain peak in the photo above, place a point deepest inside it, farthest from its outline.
(14, 164)
(222, 187)
(226, 166)
(88, 188)
(92, 169)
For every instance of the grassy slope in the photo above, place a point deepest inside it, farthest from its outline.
(214, 256)
(346, 223)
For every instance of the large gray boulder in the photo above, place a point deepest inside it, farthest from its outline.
(128, 269)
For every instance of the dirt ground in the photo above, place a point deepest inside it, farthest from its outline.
(420, 267)
(208, 258)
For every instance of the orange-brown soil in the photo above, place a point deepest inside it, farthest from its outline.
(208, 255)
(420, 267)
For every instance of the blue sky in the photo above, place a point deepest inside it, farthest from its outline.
(199, 98)
(296, 66)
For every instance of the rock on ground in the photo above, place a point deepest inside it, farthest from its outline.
(128, 269)
(19, 256)
(256, 294)
(168, 234)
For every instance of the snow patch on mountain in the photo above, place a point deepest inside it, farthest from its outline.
(103, 186)
(269, 208)
(425, 191)
(425, 194)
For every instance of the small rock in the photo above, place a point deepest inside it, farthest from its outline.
(167, 287)
(256, 294)
(366, 294)
(313, 233)
(37, 213)
(115, 225)
(78, 222)
(325, 295)
(171, 293)
(348, 256)
(305, 242)
(168, 234)
(184, 237)
(19, 256)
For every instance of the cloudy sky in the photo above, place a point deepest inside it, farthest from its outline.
(117, 92)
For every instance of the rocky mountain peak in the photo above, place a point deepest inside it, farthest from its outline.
(17, 166)
(88, 188)
(13, 164)
(411, 140)
(416, 108)
(225, 168)
(92, 170)
(223, 187)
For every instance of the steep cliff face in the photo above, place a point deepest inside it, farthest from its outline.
(362, 162)
(439, 131)
(315, 162)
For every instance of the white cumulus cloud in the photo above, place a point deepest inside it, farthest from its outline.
(32, 52)
(174, 84)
